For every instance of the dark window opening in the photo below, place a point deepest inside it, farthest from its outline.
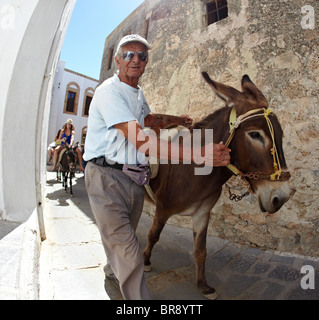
(87, 105)
(71, 102)
(109, 59)
(83, 138)
(145, 28)
(216, 10)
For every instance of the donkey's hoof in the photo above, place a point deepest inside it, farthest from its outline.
(148, 268)
(211, 295)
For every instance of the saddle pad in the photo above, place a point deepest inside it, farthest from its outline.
(168, 135)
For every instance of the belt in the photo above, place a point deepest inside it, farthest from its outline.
(102, 162)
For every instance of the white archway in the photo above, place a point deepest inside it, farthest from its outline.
(31, 38)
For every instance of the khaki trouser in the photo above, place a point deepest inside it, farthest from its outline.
(117, 204)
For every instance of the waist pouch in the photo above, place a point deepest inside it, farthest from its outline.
(140, 174)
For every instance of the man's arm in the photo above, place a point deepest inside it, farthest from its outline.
(216, 155)
(161, 121)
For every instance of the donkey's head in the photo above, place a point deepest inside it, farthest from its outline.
(69, 159)
(256, 144)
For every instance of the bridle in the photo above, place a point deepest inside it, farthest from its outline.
(234, 123)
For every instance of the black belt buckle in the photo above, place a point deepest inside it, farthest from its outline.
(102, 162)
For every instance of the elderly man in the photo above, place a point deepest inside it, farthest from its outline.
(118, 107)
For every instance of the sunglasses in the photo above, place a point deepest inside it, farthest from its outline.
(129, 55)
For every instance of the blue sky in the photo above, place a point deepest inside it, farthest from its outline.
(91, 22)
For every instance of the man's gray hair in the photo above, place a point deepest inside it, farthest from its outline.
(118, 52)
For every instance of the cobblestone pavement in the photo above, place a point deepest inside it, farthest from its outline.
(72, 260)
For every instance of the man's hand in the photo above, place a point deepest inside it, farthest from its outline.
(214, 155)
(221, 155)
(187, 121)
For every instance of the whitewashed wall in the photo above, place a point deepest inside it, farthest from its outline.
(30, 43)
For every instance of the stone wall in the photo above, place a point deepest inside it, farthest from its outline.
(261, 38)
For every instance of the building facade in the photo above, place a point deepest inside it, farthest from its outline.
(72, 94)
(276, 43)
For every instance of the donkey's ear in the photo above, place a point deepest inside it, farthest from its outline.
(249, 87)
(245, 79)
(227, 93)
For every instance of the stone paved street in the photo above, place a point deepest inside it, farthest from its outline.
(72, 260)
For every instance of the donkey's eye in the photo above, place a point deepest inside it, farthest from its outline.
(255, 135)
(258, 138)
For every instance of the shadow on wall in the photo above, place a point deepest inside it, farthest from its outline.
(6, 227)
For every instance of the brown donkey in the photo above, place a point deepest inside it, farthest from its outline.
(257, 155)
(67, 166)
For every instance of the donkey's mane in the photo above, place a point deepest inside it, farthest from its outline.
(215, 120)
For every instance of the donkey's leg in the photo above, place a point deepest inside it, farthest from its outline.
(153, 237)
(71, 176)
(200, 224)
(62, 179)
(66, 182)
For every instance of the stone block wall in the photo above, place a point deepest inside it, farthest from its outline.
(266, 40)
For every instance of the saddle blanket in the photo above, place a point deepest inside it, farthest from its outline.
(169, 135)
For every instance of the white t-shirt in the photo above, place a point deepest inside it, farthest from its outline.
(114, 102)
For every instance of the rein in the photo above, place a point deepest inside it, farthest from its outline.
(234, 123)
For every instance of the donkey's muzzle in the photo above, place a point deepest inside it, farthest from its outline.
(272, 199)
